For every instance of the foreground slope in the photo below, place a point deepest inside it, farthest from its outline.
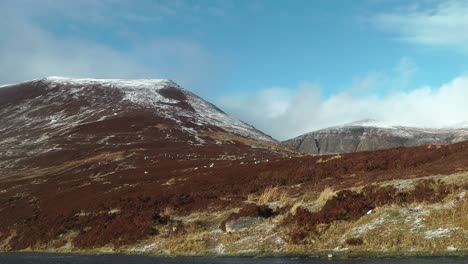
(140, 166)
(368, 135)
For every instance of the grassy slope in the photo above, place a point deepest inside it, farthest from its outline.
(423, 228)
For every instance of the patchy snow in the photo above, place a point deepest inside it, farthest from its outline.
(415, 217)
(33, 123)
(212, 115)
(374, 224)
(340, 249)
(145, 92)
(372, 123)
(133, 84)
(423, 135)
(145, 248)
(451, 248)
(438, 233)
(404, 185)
(220, 249)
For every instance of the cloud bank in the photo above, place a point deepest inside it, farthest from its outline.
(285, 113)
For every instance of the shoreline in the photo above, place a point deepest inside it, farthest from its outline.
(309, 255)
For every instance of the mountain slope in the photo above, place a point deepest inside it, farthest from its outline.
(368, 135)
(145, 166)
(56, 118)
(75, 144)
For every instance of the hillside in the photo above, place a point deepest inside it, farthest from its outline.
(145, 166)
(367, 135)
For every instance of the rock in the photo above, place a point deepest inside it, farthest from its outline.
(242, 224)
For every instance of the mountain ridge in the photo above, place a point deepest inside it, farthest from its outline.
(369, 134)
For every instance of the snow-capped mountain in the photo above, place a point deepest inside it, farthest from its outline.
(368, 134)
(59, 119)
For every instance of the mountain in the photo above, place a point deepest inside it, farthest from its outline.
(147, 167)
(54, 120)
(75, 144)
(368, 135)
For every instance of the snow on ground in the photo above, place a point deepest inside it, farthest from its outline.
(421, 134)
(212, 115)
(145, 248)
(372, 123)
(374, 224)
(48, 115)
(437, 233)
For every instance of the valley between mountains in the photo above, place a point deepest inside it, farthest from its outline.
(148, 167)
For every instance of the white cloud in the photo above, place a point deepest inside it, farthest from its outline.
(444, 24)
(301, 110)
(399, 78)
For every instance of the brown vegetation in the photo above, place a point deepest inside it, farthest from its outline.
(124, 161)
(350, 206)
(354, 241)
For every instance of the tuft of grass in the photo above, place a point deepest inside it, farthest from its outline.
(295, 206)
(325, 160)
(313, 201)
(273, 194)
(168, 211)
(325, 195)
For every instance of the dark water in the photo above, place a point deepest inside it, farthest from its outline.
(25, 258)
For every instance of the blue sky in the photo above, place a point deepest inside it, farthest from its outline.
(287, 67)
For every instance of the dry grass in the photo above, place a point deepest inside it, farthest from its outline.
(273, 194)
(251, 197)
(324, 160)
(101, 157)
(296, 205)
(313, 201)
(168, 211)
(171, 181)
(403, 232)
(396, 234)
(458, 179)
(326, 194)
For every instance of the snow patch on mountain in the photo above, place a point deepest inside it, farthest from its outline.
(369, 134)
(70, 102)
(145, 92)
(371, 123)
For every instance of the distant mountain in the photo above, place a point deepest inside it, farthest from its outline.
(368, 134)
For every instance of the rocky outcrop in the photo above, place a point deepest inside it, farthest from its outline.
(371, 135)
